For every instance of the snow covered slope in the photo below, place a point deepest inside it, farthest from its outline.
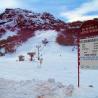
(58, 70)
(8, 34)
(26, 23)
(55, 58)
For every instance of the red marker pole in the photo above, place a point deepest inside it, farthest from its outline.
(78, 42)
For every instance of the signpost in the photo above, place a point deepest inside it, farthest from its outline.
(88, 46)
(89, 53)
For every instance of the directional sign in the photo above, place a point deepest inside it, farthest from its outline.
(87, 46)
(89, 53)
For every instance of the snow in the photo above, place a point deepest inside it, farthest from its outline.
(38, 20)
(1, 10)
(7, 34)
(56, 77)
(4, 20)
(11, 23)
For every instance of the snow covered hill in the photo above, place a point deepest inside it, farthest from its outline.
(54, 77)
(53, 55)
(25, 23)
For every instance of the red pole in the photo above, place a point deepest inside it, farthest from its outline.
(78, 42)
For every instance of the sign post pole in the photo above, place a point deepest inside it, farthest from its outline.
(78, 41)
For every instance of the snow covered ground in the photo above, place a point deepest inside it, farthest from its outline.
(8, 34)
(56, 77)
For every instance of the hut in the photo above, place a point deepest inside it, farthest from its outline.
(21, 58)
(31, 54)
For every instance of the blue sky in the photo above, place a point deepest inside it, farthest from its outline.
(68, 10)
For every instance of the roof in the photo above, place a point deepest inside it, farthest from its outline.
(89, 22)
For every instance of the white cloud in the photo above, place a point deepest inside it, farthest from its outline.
(25, 4)
(8, 4)
(80, 12)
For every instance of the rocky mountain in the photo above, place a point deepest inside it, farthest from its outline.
(25, 23)
(18, 25)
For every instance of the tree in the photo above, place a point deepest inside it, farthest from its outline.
(65, 40)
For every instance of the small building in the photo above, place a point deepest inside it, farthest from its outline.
(21, 58)
(2, 54)
(31, 54)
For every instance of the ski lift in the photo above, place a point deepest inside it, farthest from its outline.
(45, 41)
